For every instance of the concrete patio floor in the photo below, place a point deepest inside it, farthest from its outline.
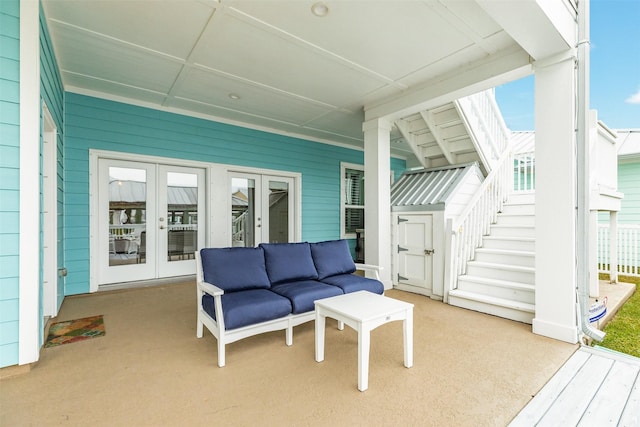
(150, 369)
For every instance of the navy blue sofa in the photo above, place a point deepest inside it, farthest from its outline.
(249, 291)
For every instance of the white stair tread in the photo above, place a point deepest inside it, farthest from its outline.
(507, 267)
(510, 238)
(497, 282)
(500, 302)
(505, 252)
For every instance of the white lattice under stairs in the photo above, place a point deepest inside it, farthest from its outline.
(500, 280)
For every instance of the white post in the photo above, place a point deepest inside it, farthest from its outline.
(555, 281)
(594, 282)
(377, 191)
(613, 246)
(30, 303)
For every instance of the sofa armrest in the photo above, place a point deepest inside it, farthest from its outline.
(369, 268)
(210, 289)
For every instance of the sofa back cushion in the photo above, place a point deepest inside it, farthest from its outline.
(288, 262)
(332, 258)
(235, 269)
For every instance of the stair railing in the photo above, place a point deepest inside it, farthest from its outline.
(486, 126)
(475, 221)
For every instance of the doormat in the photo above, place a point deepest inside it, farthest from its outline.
(75, 330)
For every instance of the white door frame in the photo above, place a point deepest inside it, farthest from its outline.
(94, 223)
(50, 215)
(217, 233)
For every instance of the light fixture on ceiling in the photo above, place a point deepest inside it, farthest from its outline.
(320, 9)
(234, 96)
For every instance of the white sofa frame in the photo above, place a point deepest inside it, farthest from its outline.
(224, 337)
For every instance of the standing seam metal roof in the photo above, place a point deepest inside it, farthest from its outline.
(428, 187)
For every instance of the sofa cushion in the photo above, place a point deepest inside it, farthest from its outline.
(331, 258)
(302, 294)
(248, 307)
(352, 283)
(235, 269)
(288, 262)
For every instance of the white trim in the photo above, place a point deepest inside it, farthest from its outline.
(29, 263)
(343, 167)
(50, 214)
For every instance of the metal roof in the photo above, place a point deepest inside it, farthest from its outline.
(136, 192)
(429, 189)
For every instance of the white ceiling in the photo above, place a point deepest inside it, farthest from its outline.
(293, 72)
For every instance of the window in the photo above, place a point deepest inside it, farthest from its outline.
(352, 200)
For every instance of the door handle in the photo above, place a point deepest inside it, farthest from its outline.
(162, 227)
(429, 251)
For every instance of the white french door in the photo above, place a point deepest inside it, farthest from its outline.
(148, 220)
(262, 209)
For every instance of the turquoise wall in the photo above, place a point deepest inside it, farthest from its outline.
(107, 125)
(9, 179)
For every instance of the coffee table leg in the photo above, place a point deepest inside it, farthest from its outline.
(320, 321)
(364, 338)
(408, 338)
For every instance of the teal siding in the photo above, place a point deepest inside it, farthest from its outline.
(106, 125)
(629, 184)
(9, 182)
(52, 93)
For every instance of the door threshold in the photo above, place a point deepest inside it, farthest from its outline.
(146, 283)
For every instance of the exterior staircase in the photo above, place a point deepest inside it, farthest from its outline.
(500, 279)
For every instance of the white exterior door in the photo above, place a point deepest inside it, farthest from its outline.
(415, 251)
(148, 224)
(180, 226)
(262, 209)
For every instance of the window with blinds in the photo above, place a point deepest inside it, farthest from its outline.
(352, 200)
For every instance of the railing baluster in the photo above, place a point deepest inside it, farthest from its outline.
(628, 249)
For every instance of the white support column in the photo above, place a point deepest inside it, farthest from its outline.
(30, 248)
(555, 281)
(377, 215)
(594, 282)
(613, 246)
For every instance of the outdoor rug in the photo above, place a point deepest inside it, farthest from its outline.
(75, 330)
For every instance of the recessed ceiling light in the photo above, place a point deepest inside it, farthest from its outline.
(320, 9)
(234, 96)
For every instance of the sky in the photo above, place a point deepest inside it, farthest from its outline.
(614, 69)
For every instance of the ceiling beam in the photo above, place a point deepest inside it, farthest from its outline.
(541, 27)
(491, 71)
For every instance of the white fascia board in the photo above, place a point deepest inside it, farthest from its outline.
(541, 27)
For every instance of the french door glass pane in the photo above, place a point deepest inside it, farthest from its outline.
(278, 212)
(182, 216)
(243, 194)
(127, 216)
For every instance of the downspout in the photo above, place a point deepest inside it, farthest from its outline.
(583, 169)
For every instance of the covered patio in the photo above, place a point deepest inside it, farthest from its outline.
(150, 369)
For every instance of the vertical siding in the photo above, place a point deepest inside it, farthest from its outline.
(52, 93)
(106, 125)
(629, 184)
(9, 179)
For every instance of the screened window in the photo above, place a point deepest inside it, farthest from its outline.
(352, 200)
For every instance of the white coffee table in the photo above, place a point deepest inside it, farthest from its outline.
(364, 311)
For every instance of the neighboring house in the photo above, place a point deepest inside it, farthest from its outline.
(628, 219)
(275, 99)
(629, 175)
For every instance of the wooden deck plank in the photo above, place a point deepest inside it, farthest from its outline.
(545, 398)
(577, 395)
(608, 404)
(631, 414)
